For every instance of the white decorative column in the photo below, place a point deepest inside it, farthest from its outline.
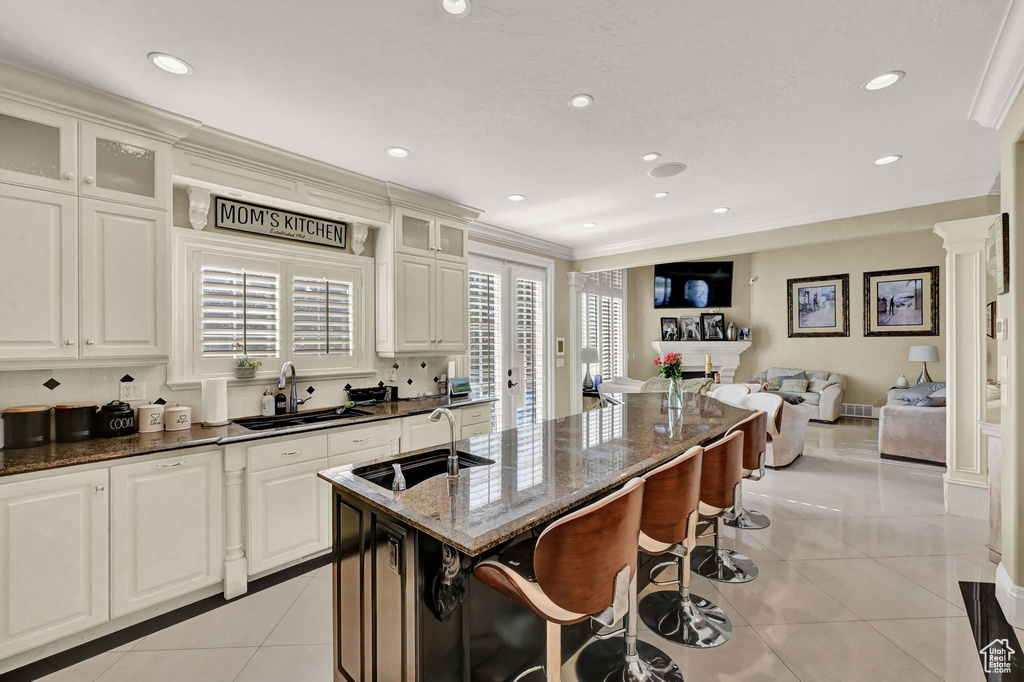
(725, 355)
(964, 292)
(236, 574)
(576, 280)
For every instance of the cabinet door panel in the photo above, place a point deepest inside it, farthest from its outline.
(124, 280)
(419, 432)
(288, 515)
(120, 166)
(451, 242)
(53, 558)
(414, 233)
(414, 303)
(38, 274)
(38, 147)
(452, 307)
(167, 529)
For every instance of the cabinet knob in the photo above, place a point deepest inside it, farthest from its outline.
(89, 342)
(433, 340)
(89, 179)
(440, 340)
(68, 175)
(69, 342)
(99, 489)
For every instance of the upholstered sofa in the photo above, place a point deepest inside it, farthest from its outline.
(828, 401)
(906, 431)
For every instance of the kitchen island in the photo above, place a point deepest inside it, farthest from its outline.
(405, 606)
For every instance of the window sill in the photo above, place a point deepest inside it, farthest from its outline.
(265, 377)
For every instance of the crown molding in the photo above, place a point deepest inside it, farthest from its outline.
(521, 241)
(400, 195)
(935, 194)
(1004, 74)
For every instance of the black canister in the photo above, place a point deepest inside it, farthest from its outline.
(74, 422)
(115, 419)
(26, 427)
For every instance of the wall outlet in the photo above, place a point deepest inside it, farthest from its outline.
(133, 390)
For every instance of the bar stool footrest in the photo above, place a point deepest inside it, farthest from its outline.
(603, 661)
(695, 622)
(748, 519)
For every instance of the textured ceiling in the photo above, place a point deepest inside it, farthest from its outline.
(761, 100)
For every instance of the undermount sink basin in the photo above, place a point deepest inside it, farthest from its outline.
(418, 468)
(264, 423)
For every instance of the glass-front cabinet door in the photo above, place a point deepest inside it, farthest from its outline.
(414, 232)
(120, 166)
(37, 147)
(451, 242)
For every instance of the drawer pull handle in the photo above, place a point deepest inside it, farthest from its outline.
(292, 453)
(478, 414)
(168, 466)
(360, 440)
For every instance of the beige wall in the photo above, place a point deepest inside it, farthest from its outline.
(644, 320)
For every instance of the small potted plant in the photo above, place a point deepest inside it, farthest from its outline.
(245, 368)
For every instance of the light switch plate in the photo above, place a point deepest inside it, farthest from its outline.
(560, 362)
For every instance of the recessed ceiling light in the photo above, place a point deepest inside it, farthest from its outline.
(661, 195)
(235, 195)
(884, 80)
(650, 156)
(397, 152)
(170, 63)
(580, 101)
(721, 209)
(589, 224)
(516, 197)
(885, 160)
(457, 8)
(667, 170)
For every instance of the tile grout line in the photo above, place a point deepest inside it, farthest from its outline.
(271, 631)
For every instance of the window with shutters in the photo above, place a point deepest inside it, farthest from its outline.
(240, 311)
(485, 338)
(603, 303)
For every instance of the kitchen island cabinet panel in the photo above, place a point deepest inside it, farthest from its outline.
(53, 558)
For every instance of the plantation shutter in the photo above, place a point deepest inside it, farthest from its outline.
(322, 317)
(239, 309)
(485, 338)
(604, 322)
(529, 340)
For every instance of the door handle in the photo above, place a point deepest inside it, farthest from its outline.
(512, 383)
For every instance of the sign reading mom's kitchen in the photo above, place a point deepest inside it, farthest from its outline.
(238, 215)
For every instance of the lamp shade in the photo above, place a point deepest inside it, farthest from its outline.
(923, 354)
(591, 355)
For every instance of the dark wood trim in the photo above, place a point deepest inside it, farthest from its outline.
(845, 300)
(934, 288)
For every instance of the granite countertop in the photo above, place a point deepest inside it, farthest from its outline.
(57, 455)
(542, 470)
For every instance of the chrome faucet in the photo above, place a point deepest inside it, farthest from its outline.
(398, 485)
(453, 459)
(293, 401)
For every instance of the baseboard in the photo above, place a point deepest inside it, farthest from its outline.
(966, 499)
(912, 460)
(1010, 596)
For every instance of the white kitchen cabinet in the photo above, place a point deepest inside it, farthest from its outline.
(289, 514)
(450, 241)
(450, 312)
(166, 529)
(419, 432)
(38, 148)
(53, 558)
(38, 274)
(415, 304)
(414, 232)
(124, 280)
(124, 167)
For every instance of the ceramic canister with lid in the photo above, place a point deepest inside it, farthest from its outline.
(73, 422)
(150, 418)
(27, 426)
(114, 419)
(177, 418)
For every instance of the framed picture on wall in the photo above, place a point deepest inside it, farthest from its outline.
(669, 329)
(1002, 239)
(990, 320)
(818, 306)
(902, 302)
(712, 326)
(689, 328)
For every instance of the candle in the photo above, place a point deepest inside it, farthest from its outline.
(707, 364)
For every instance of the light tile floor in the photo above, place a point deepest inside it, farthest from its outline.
(858, 581)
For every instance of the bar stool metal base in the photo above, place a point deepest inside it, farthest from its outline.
(722, 565)
(749, 519)
(602, 661)
(694, 622)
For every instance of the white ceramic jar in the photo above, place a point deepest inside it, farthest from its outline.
(177, 418)
(150, 418)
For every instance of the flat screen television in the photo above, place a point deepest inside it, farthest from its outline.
(693, 285)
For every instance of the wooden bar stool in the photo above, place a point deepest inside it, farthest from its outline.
(584, 566)
(721, 476)
(755, 435)
(669, 526)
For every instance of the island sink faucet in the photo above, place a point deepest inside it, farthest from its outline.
(453, 459)
(293, 401)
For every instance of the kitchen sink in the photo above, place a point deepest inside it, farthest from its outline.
(418, 468)
(281, 421)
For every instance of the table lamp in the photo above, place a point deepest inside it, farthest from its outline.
(924, 355)
(590, 355)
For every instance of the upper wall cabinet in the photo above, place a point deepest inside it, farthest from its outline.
(38, 148)
(421, 234)
(120, 166)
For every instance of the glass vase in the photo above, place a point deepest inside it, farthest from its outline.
(675, 393)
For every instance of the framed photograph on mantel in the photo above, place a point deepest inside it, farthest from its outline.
(902, 302)
(712, 326)
(818, 306)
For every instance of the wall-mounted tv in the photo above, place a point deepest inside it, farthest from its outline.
(693, 285)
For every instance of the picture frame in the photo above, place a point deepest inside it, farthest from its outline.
(712, 326)
(669, 329)
(744, 334)
(818, 306)
(990, 320)
(902, 302)
(690, 329)
(1002, 240)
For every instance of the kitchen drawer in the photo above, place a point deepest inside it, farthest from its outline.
(350, 458)
(282, 452)
(476, 414)
(359, 438)
(419, 432)
(470, 430)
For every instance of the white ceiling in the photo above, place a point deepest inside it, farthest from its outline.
(761, 100)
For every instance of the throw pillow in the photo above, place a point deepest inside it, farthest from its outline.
(819, 385)
(793, 386)
(920, 391)
(775, 383)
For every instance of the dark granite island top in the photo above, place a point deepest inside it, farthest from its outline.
(543, 470)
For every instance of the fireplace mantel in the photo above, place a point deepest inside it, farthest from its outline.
(725, 355)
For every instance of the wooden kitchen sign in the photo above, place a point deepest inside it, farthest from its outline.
(239, 215)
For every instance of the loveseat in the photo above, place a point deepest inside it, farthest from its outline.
(908, 431)
(828, 400)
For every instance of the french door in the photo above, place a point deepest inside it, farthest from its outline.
(508, 338)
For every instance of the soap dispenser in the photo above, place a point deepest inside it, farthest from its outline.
(268, 403)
